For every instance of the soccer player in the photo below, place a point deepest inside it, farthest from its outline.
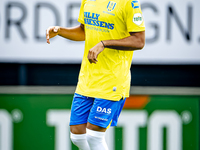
(112, 30)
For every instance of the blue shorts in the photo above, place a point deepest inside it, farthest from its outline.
(96, 111)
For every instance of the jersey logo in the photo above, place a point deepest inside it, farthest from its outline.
(138, 19)
(111, 6)
(135, 4)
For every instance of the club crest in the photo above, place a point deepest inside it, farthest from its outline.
(111, 6)
(135, 4)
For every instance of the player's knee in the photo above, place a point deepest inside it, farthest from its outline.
(96, 140)
(94, 136)
(90, 138)
(74, 141)
(77, 139)
(79, 142)
(93, 142)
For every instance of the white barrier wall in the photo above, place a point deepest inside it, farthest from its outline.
(172, 32)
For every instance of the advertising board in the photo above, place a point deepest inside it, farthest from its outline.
(155, 122)
(172, 32)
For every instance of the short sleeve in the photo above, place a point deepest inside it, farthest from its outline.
(133, 16)
(81, 13)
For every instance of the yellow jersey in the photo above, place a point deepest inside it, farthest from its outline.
(110, 77)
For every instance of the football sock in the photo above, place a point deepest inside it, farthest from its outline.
(96, 140)
(80, 141)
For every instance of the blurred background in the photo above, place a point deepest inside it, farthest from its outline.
(37, 80)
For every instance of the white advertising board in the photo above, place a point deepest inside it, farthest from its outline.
(172, 32)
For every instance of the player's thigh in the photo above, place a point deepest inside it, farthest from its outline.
(78, 129)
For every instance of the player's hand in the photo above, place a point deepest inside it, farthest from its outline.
(94, 52)
(52, 32)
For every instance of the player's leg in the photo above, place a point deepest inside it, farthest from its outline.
(79, 114)
(79, 138)
(101, 115)
(96, 137)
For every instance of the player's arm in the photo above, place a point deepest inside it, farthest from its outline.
(75, 33)
(135, 41)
